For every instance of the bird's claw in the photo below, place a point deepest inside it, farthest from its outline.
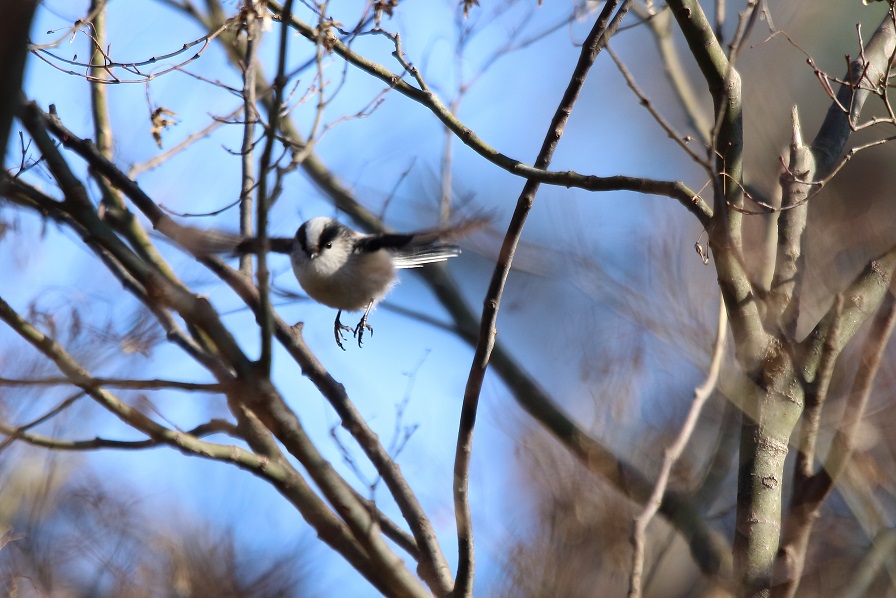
(338, 327)
(359, 329)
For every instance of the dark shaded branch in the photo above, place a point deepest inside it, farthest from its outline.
(14, 28)
(215, 426)
(123, 383)
(601, 32)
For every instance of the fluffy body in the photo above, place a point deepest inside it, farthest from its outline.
(342, 268)
(351, 271)
(343, 283)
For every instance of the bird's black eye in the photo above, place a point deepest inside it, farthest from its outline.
(328, 236)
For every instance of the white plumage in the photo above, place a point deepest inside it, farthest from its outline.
(351, 271)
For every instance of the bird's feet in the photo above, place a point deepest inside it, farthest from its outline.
(338, 327)
(359, 329)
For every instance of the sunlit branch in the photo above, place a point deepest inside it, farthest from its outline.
(785, 290)
(811, 493)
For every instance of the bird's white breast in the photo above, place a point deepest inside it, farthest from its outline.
(347, 281)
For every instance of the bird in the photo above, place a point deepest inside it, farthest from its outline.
(353, 271)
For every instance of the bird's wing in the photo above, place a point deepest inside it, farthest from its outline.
(371, 243)
(419, 256)
(421, 239)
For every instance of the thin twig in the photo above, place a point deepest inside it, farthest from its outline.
(215, 426)
(138, 169)
(262, 199)
(675, 72)
(597, 39)
(122, 383)
(661, 121)
(673, 452)
(131, 67)
(425, 96)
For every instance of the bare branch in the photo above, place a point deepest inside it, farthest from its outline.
(784, 293)
(278, 473)
(138, 169)
(674, 451)
(434, 567)
(423, 95)
(59, 444)
(815, 399)
(108, 65)
(601, 32)
(809, 495)
(680, 140)
(122, 383)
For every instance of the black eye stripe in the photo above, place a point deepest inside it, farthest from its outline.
(302, 239)
(328, 235)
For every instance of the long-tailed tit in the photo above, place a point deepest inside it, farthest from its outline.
(352, 271)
